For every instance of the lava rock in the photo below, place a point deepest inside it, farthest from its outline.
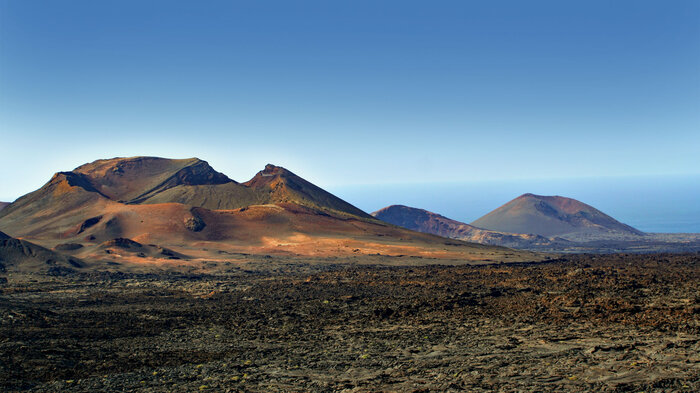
(194, 224)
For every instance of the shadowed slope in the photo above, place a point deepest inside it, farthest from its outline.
(429, 222)
(24, 256)
(553, 216)
(216, 197)
(4, 205)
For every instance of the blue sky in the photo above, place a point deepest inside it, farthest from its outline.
(353, 92)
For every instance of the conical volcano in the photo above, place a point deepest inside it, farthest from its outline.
(553, 216)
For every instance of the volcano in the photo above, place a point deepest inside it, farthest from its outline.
(554, 216)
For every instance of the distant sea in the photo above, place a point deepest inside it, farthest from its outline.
(668, 204)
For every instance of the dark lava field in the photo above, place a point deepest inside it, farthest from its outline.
(582, 323)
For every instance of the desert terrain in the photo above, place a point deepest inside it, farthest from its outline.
(158, 275)
(580, 323)
(230, 196)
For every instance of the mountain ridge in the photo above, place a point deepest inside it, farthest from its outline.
(154, 180)
(428, 222)
(184, 210)
(118, 178)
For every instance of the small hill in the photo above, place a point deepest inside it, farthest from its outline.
(4, 205)
(554, 216)
(132, 248)
(429, 222)
(27, 257)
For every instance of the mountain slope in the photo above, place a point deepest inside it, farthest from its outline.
(554, 216)
(59, 203)
(278, 185)
(272, 185)
(216, 197)
(4, 205)
(429, 222)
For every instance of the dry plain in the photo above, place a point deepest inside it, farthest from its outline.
(620, 322)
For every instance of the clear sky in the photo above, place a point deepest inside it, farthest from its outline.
(353, 92)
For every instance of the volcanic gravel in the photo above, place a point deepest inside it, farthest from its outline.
(582, 323)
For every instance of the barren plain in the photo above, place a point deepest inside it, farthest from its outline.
(619, 322)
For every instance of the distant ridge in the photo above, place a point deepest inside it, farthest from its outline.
(554, 216)
(4, 205)
(429, 222)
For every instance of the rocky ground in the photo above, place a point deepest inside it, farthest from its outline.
(649, 243)
(583, 323)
